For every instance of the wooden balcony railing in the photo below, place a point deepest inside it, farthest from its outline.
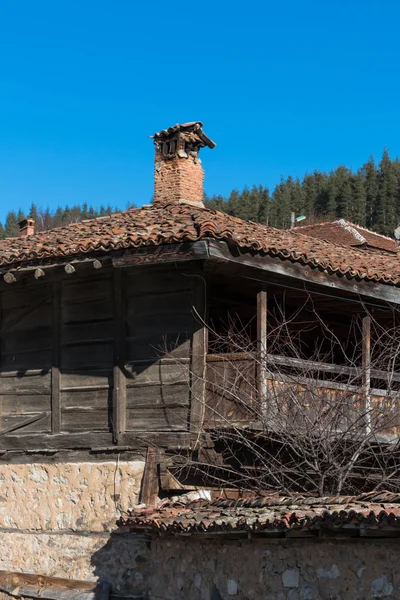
(234, 397)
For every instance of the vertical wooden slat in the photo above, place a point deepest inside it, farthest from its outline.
(366, 370)
(262, 350)
(150, 486)
(198, 362)
(119, 379)
(55, 369)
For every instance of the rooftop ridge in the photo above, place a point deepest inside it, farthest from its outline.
(340, 221)
(352, 229)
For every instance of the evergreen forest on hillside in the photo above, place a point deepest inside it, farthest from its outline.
(369, 197)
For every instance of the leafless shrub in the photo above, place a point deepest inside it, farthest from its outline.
(315, 426)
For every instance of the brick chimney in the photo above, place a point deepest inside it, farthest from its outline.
(178, 174)
(26, 227)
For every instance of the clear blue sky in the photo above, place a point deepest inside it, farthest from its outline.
(282, 87)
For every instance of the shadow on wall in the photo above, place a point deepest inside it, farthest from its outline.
(124, 563)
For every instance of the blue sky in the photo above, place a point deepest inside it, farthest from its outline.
(282, 87)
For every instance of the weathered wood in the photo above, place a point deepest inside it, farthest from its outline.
(89, 440)
(198, 355)
(312, 275)
(119, 389)
(28, 314)
(24, 404)
(162, 254)
(13, 383)
(21, 361)
(158, 346)
(87, 332)
(159, 418)
(83, 399)
(366, 370)
(74, 420)
(95, 287)
(85, 379)
(231, 392)
(98, 308)
(87, 356)
(262, 349)
(55, 369)
(164, 371)
(17, 342)
(23, 585)
(155, 395)
(150, 484)
(28, 423)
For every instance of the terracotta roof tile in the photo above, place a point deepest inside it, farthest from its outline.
(153, 226)
(369, 511)
(348, 234)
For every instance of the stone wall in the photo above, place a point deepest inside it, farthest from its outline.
(262, 569)
(59, 520)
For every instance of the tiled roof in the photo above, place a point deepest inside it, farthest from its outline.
(348, 234)
(376, 511)
(154, 225)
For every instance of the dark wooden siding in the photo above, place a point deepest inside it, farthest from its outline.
(159, 328)
(58, 353)
(26, 345)
(86, 353)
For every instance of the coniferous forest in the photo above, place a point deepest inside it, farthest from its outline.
(369, 197)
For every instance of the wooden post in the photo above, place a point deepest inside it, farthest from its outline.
(119, 380)
(149, 491)
(198, 362)
(366, 370)
(55, 368)
(262, 351)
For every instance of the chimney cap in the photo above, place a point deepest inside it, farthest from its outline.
(193, 127)
(26, 222)
(26, 227)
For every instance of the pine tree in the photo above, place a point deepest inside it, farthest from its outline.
(358, 207)
(371, 190)
(33, 213)
(344, 196)
(11, 225)
(385, 214)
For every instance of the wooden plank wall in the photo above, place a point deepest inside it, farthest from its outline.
(86, 353)
(26, 358)
(59, 353)
(160, 325)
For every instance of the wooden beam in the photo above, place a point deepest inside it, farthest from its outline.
(162, 254)
(55, 368)
(119, 379)
(304, 273)
(366, 370)
(262, 349)
(198, 358)
(99, 441)
(150, 485)
(52, 588)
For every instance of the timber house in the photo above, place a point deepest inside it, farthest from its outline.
(112, 342)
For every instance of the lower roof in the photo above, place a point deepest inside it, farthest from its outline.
(176, 223)
(371, 511)
(348, 234)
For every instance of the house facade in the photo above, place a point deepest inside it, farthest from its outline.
(113, 342)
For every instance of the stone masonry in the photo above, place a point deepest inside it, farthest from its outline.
(267, 569)
(58, 520)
